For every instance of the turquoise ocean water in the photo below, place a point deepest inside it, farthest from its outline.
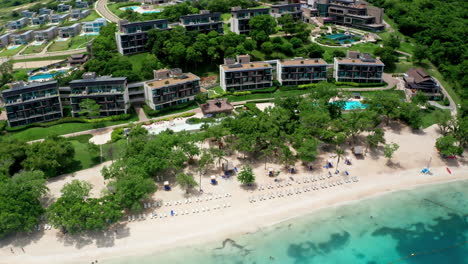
(429, 222)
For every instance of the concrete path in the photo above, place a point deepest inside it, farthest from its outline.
(141, 114)
(101, 8)
(33, 64)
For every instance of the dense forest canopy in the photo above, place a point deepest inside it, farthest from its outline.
(440, 28)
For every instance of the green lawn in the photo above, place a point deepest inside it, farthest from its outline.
(362, 47)
(72, 43)
(92, 16)
(136, 60)
(85, 159)
(428, 116)
(402, 67)
(407, 47)
(59, 57)
(61, 129)
(34, 49)
(115, 7)
(226, 16)
(12, 52)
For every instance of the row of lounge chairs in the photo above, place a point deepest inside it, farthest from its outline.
(155, 215)
(290, 182)
(186, 201)
(306, 188)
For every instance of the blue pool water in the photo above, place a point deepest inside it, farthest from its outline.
(428, 225)
(341, 37)
(13, 47)
(44, 76)
(151, 12)
(129, 7)
(352, 105)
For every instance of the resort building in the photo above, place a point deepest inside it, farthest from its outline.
(351, 13)
(245, 75)
(63, 8)
(294, 10)
(70, 31)
(94, 26)
(216, 107)
(45, 11)
(18, 24)
(418, 80)
(80, 13)
(31, 103)
(5, 40)
(359, 68)
(81, 4)
(76, 60)
(170, 88)
(109, 92)
(28, 14)
(132, 37)
(301, 71)
(58, 18)
(241, 17)
(21, 38)
(205, 22)
(40, 20)
(46, 35)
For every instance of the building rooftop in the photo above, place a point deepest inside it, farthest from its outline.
(246, 66)
(24, 85)
(300, 62)
(216, 106)
(418, 75)
(360, 60)
(185, 77)
(99, 79)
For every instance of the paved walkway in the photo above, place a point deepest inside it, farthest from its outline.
(101, 7)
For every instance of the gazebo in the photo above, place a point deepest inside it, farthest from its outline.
(358, 150)
(216, 106)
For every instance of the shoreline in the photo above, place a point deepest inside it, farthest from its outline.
(142, 244)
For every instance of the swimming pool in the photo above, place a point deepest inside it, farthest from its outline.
(129, 7)
(353, 105)
(13, 47)
(45, 76)
(140, 10)
(341, 38)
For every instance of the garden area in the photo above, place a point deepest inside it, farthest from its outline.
(34, 49)
(71, 43)
(11, 52)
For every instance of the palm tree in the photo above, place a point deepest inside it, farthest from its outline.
(339, 152)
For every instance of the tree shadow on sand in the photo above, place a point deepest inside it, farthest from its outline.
(102, 239)
(21, 239)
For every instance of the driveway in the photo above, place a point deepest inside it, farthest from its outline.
(101, 8)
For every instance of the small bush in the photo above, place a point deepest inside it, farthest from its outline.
(117, 134)
(354, 84)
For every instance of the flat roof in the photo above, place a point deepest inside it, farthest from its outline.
(31, 86)
(360, 61)
(99, 79)
(172, 80)
(302, 62)
(246, 66)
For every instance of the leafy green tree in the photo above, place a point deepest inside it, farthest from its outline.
(444, 121)
(411, 114)
(76, 212)
(130, 189)
(262, 27)
(89, 108)
(393, 42)
(387, 56)
(387, 105)
(375, 138)
(315, 51)
(420, 98)
(447, 145)
(12, 154)
(420, 53)
(186, 181)
(246, 175)
(20, 206)
(339, 153)
(53, 156)
(288, 23)
(307, 150)
(390, 149)
(338, 53)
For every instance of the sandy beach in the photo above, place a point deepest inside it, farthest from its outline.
(237, 215)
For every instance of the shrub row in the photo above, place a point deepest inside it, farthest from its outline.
(354, 84)
(257, 91)
(153, 113)
(70, 120)
(196, 120)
